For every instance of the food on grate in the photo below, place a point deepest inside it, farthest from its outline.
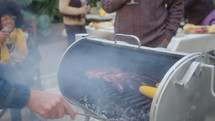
(122, 81)
(99, 73)
(157, 84)
(148, 91)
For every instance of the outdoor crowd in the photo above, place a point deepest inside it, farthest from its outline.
(153, 22)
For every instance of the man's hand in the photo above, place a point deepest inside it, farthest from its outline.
(49, 106)
(5, 33)
(167, 40)
(85, 9)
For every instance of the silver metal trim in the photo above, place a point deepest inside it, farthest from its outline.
(126, 35)
(211, 67)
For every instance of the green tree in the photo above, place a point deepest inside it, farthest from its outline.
(44, 11)
(93, 3)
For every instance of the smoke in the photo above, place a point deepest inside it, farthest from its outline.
(98, 93)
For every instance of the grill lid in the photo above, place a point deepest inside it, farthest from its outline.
(102, 98)
(186, 93)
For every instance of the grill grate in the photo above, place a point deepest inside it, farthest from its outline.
(107, 101)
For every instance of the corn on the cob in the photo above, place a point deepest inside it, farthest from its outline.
(148, 91)
(157, 84)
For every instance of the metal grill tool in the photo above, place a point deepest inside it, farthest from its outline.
(96, 117)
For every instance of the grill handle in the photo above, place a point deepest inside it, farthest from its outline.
(212, 68)
(131, 36)
(189, 73)
(194, 69)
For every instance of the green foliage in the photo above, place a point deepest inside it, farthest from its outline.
(23, 3)
(43, 24)
(93, 3)
(44, 11)
(41, 7)
(48, 7)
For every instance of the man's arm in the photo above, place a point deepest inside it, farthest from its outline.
(13, 95)
(113, 5)
(175, 14)
(47, 105)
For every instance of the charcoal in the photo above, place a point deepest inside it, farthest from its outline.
(118, 107)
(116, 98)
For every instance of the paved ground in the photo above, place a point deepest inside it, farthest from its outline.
(52, 48)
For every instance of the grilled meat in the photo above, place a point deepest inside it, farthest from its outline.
(120, 80)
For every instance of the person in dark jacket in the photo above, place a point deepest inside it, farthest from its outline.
(200, 12)
(50, 106)
(151, 21)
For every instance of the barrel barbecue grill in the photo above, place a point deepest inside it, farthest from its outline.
(103, 78)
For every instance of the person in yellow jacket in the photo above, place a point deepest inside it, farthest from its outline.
(17, 49)
(19, 56)
(73, 17)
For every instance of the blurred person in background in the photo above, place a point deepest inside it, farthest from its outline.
(199, 12)
(73, 17)
(19, 56)
(50, 106)
(153, 22)
(17, 47)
